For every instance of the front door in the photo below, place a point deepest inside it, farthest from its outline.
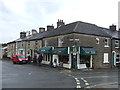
(74, 61)
(114, 59)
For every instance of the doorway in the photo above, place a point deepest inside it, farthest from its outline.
(74, 61)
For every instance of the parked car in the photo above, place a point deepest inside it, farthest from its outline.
(19, 58)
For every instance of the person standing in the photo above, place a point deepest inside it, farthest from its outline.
(35, 59)
(40, 59)
(29, 58)
(55, 63)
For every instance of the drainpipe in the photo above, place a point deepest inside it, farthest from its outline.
(111, 53)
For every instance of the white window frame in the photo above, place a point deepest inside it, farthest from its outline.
(106, 43)
(106, 58)
(117, 44)
(98, 41)
(46, 43)
(118, 57)
(60, 41)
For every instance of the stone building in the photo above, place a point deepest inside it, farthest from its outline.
(78, 45)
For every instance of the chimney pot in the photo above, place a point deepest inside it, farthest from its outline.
(60, 23)
(41, 29)
(22, 34)
(112, 27)
(50, 27)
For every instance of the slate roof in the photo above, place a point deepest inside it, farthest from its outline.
(113, 34)
(75, 27)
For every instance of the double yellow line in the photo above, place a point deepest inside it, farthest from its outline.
(101, 84)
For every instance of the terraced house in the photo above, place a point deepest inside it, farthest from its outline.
(78, 45)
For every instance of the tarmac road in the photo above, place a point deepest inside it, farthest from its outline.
(33, 76)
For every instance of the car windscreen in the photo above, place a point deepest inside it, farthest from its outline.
(20, 56)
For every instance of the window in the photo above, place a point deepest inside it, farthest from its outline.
(116, 43)
(71, 39)
(106, 42)
(105, 58)
(28, 44)
(97, 40)
(117, 58)
(60, 41)
(46, 43)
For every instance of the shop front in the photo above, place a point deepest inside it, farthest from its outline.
(61, 55)
(86, 57)
(47, 54)
(81, 57)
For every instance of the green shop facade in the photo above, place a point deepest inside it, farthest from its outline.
(75, 57)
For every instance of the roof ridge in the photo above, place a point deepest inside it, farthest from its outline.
(76, 26)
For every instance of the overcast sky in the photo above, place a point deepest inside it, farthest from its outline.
(24, 15)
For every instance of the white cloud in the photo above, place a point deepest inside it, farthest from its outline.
(19, 15)
(16, 6)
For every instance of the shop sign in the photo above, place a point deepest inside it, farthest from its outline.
(74, 49)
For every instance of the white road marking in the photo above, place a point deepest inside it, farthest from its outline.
(78, 83)
(82, 78)
(78, 86)
(86, 83)
(76, 78)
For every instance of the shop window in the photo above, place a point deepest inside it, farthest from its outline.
(63, 59)
(105, 58)
(116, 43)
(106, 42)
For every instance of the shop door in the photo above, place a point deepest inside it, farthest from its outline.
(74, 61)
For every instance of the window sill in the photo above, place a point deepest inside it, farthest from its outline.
(116, 47)
(106, 46)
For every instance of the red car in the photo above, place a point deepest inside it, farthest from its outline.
(19, 58)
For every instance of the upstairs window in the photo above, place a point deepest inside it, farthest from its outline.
(116, 43)
(60, 41)
(97, 40)
(28, 44)
(106, 42)
(46, 43)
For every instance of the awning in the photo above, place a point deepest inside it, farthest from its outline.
(30, 49)
(21, 49)
(45, 50)
(87, 51)
(60, 51)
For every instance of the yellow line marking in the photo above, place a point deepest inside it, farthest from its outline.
(100, 85)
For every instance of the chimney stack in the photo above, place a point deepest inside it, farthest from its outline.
(60, 23)
(34, 31)
(112, 27)
(50, 27)
(41, 29)
(22, 34)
